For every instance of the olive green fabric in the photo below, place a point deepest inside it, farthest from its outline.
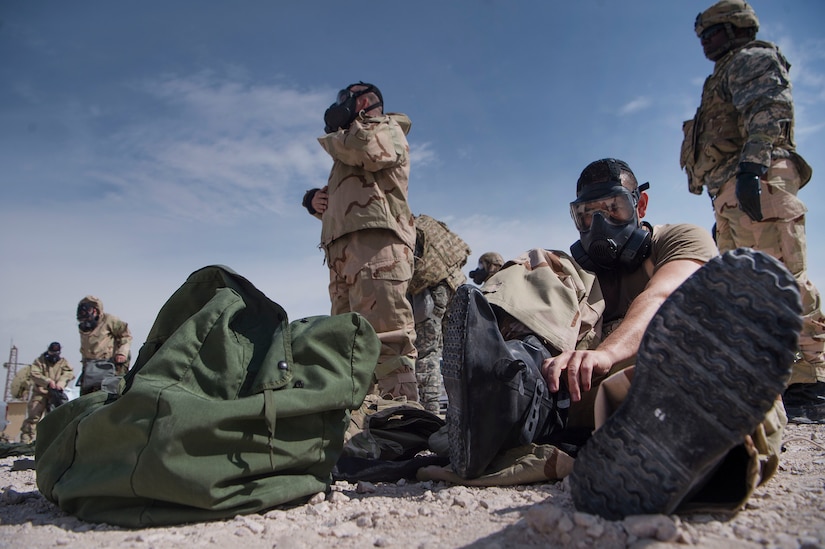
(230, 409)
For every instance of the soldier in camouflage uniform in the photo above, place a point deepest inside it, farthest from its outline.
(488, 264)
(48, 371)
(740, 146)
(439, 256)
(103, 337)
(368, 230)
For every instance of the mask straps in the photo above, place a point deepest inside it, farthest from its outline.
(368, 89)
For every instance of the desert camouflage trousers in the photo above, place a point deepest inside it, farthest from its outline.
(34, 411)
(429, 341)
(369, 272)
(781, 234)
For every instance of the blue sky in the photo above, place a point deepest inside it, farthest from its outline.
(141, 141)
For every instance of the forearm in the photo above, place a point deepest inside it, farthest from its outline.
(623, 343)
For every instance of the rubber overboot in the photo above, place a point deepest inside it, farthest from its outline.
(711, 363)
(497, 397)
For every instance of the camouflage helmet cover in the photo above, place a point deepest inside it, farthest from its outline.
(491, 261)
(736, 12)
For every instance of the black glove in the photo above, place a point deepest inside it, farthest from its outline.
(307, 201)
(748, 190)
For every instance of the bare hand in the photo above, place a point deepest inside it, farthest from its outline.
(319, 201)
(580, 366)
(120, 359)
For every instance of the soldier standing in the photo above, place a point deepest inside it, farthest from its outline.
(740, 146)
(368, 230)
(439, 256)
(48, 371)
(105, 341)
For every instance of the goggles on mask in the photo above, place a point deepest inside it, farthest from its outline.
(342, 113)
(611, 236)
(618, 208)
(52, 357)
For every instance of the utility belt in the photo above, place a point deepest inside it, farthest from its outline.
(97, 374)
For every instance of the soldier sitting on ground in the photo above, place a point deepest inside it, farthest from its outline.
(712, 339)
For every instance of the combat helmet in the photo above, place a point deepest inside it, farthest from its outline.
(734, 12)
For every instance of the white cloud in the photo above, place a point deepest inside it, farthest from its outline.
(224, 149)
(422, 154)
(634, 106)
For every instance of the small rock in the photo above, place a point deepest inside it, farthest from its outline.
(364, 521)
(585, 520)
(543, 518)
(317, 498)
(338, 497)
(346, 530)
(658, 527)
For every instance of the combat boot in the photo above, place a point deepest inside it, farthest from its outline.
(496, 396)
(712, 362)
(805, 402)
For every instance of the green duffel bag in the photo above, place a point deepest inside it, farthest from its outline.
(230, 409)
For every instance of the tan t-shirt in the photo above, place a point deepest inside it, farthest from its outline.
(668, 243)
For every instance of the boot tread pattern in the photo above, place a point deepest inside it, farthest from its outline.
(452, 360)
(711, 363)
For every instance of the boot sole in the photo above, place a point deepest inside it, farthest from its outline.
(710, 365)
(452, 354)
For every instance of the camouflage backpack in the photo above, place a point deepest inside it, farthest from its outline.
(439, 255)
(22, 382)
(230, 409)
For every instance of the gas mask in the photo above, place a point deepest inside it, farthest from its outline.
(609, 228)
(342, 113)
(52, 354)
(479, 275)
(87, 317)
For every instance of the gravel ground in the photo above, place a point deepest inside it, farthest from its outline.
(789, 511)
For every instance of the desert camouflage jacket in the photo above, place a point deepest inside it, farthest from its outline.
(367, 185)
(110, 337)
(44, 371)
(746, 115)
(552, 296)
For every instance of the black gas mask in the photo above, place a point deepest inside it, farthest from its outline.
(342, 113)
(87, 317)
(611, 235)
(52, 354)
(479, 275)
